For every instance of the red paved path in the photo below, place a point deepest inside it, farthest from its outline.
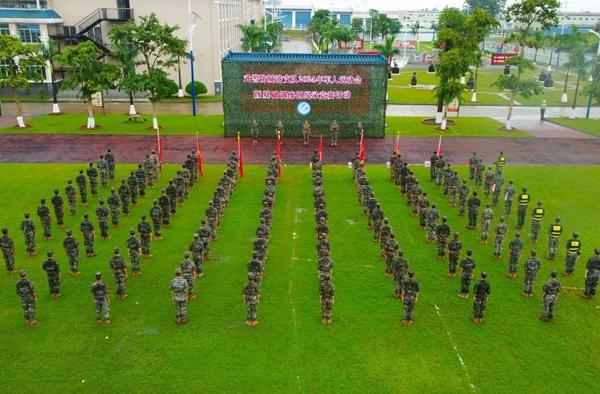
(132, 148)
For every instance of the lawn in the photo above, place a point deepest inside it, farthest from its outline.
(400, 92)
(413, 126)
(213, 125)
(589, 126)
(366, 349)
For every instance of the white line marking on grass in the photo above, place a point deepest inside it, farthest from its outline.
(508, 98)
(453, 344)
(571, 288)
(351, 222)
(412, 241)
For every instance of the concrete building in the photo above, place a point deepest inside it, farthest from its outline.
(70, 22)
(297, 17)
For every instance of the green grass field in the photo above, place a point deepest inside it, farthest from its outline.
(400, 92)
(213, 125)
(589, 126)
(366, 349)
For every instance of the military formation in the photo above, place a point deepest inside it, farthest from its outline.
(396, 266)
(324, 262)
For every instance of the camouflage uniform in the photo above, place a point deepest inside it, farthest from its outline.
(554, 239)
(164, 202)
(573, 252)
(28, 229)
(486, 221)
(102, 214)
(134, 247)
(140, 175)
(454, 249)
(197, 250)
(179, 288)
(71, 194)
(58, 204)
(71, 246)
(551, 289)
(156, 215)
(592, 275)
(443, 232)
(251, 293)
(473, 203)
(44, 213)
(81, 181)
(501, 230)
(188, 270)
(536, 221)
(8, 250)
(53, 273)
(26, 292)
(467, 268)
(124, 195)
(92, 174)
(481, 291)
(509, 196)
(101, 300)
(133, 187)
(145, 231)
(114, 203)
(110, 161)
(87, 229)
(516, 247)
(531, 267)
(103, 170)
(327, 296)
(119, 269)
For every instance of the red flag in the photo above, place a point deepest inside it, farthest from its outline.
(199, 155)
(240, 156)
(278, 152)
(397, 149)
(362, 147)
(320, 149)
(160, 149)
(439, 148)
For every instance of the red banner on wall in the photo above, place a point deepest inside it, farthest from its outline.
(499, 59)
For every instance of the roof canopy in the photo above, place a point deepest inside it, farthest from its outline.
(16, 15)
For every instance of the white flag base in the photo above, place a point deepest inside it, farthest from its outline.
(55, 108)
(20, 122)
(132, 110)
(91, 123)
(564, 98)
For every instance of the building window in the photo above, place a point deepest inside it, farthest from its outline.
(4, 29)
(70, 32)
(29, 33)
(28, 4)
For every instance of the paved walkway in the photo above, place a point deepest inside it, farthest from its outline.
(132, 148)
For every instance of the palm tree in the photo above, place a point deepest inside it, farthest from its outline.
(388, 50)
(273, 33)
(536, 41)
(328, 34)
(48, 52)
(570, 43)
(254, 38)
(344, 35)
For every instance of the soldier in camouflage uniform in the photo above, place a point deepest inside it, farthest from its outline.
(473, 164)
(479, 174)
(453, 187)
(205, 235)
(134, 246)
(110, 160)
(81, 181)
(573, 252)
(114, 203)
(156, 215)
(172, 193)
(509, 197)
(87, 229)
(92, 174)
(140, 175)
(102, 165)
(71, 246)
(149, 168)
(554, 239)
(101, 300)
(448, 174)
(454, 250)
(53, 273)
(481, 292)
(592, 275)
(197, 249)
(188, 270)
(536, 221)
(8, 251)
(463, 194)
(251, 297)
(497, 188)
(180, 295)
(486, 221)
(440, 164)
(326, 297)
(432, 166)
(133, 188)
(187, 180)
(531, 268)
(180, 186)
(467, 269)
(522, 208)
(125, 196)
(399, 270)
(432, 218)
(551, 290)
(26, 292)
(59, 208)
(164, 202)
(145, 231)
(102, 214)
(489, 181)
(44, 213)
(212, 218)
(500, 235)
(443, 232)
(410, 295)
(71, 194)
(473, 203)
(119, 270)
(28, 229)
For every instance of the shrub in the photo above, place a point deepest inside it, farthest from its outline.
(200, 88)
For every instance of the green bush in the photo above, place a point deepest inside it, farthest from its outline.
(171, 88)
(200, 88)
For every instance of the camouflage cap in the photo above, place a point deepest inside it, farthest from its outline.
(23, 273)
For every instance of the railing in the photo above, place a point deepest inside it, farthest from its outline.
(104, 14)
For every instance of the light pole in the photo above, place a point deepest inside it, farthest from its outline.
(589, 104)
(193, 18)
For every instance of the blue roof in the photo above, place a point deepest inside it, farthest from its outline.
(16, 13)
(263, 57)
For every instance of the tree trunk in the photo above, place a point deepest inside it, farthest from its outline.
(438, 115)
(154, 116)
(55, 107)
(572, 114)
(20, 122)
(132, 110)
(91, 122)
(444, 119)
(535, 55)
(564, 97)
